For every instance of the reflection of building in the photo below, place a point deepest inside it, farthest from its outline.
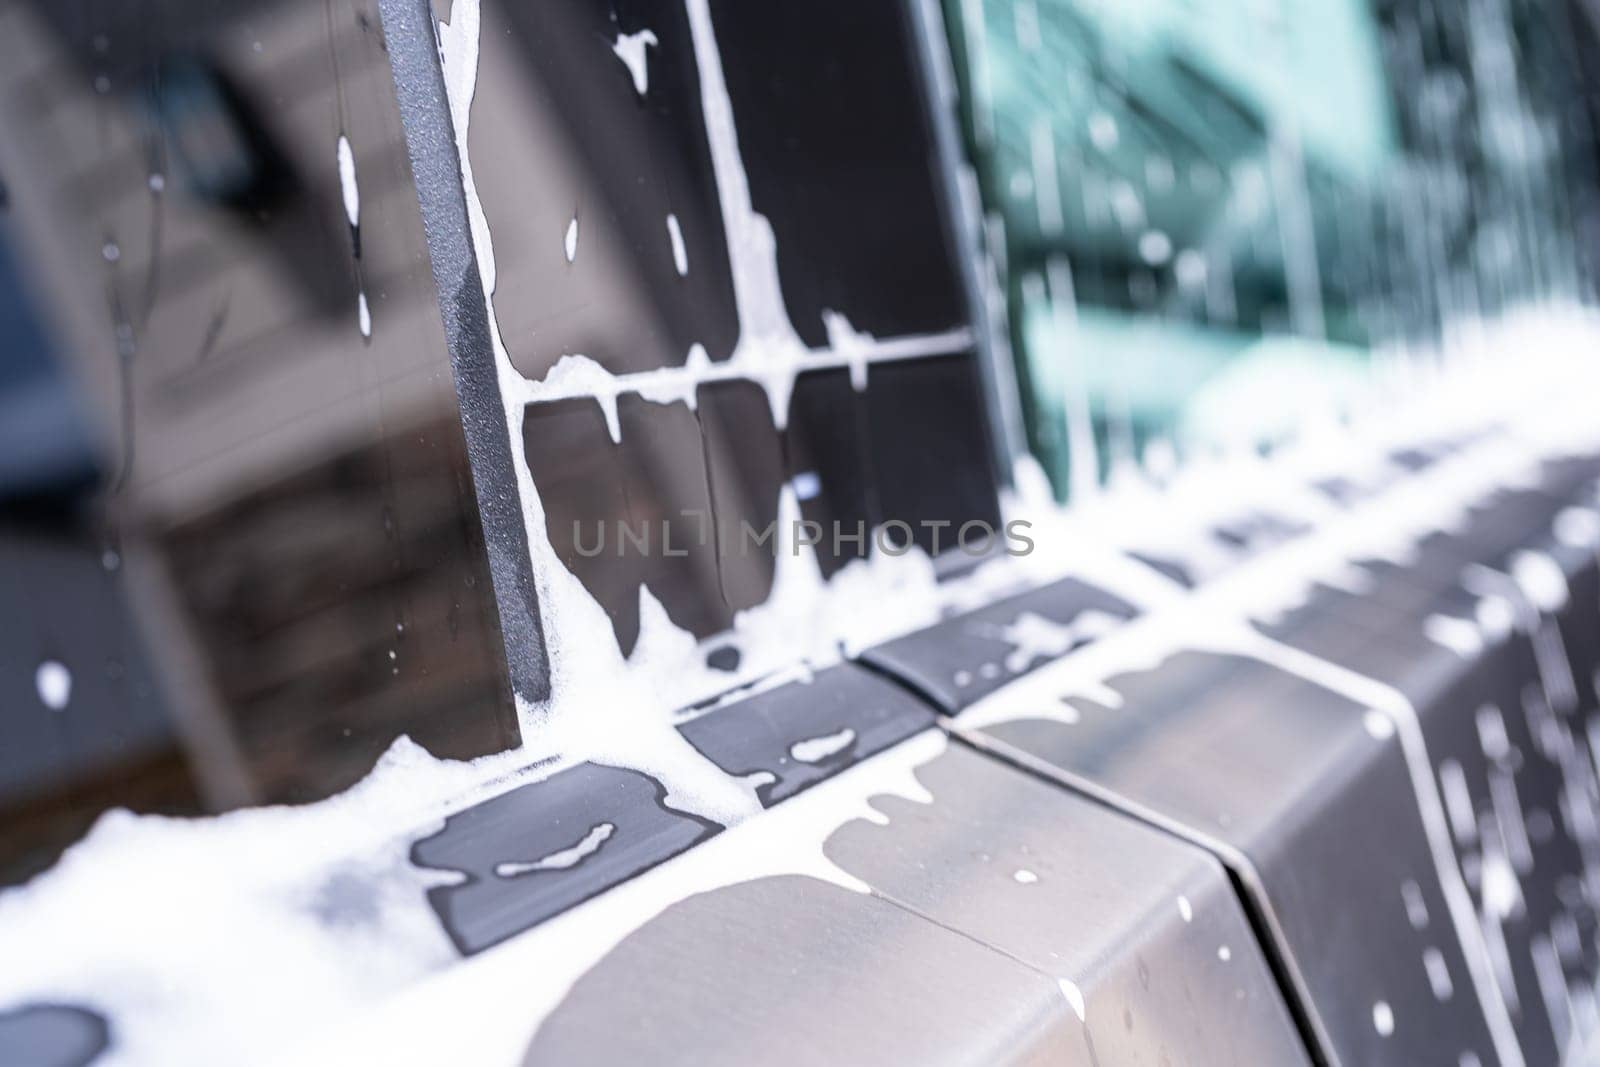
(288, 517)
(287, 510)
(1194, 202)
(784, 244)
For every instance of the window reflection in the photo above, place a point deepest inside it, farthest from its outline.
(238, 512)
(629, 240)
(249, 531)
(1213, 215)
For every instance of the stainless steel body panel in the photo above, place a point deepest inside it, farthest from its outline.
(1008, 921)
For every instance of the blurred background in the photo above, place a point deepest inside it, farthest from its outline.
(1208, 220)
(239, 547)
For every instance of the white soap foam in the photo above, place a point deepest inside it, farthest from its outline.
(348, 187)
(817, 749)
(562, 859)
(498, 999)
(680, 255)
(630, 48)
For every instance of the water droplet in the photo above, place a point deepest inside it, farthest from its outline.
(1433, 962)
(1383, 1018)
(680, 254)
(1416, 906)
(1578, 527)
(1159, 174)
(1190, 268)
(1024, 876)
(1155, 247)
(1103, 131)
(54, 683)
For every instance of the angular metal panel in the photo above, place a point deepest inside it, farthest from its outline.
(1009, 921)
(1309, 797)
(1504, 707)
(1148, 928)
(794, 970)
(958, 662)
(541, 848)
(801, 733)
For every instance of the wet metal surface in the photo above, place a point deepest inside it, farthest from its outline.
(794, 970)
(803, 732)
(51, 1035)
(1506, 708)
(541, 848)
(1314, 809)
(1009, 921)
(1147, 928)
(959, 661)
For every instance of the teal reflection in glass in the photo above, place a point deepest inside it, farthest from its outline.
(1214, 214)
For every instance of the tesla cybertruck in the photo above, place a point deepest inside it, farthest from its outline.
(702, 531)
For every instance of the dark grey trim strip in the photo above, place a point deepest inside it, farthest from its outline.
(1003, 404)
(412, 41)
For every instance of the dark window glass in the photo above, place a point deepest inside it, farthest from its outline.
(241, 545)
(841, 160)
(589, 185)
(789, 147)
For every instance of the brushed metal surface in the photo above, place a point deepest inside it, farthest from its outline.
(1505, 715)
(794, 970)
(1000, 910)
(1313, 809)
(1146, 926)
(541, 848)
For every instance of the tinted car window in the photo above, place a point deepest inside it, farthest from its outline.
(242, 546)
(724, 262)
